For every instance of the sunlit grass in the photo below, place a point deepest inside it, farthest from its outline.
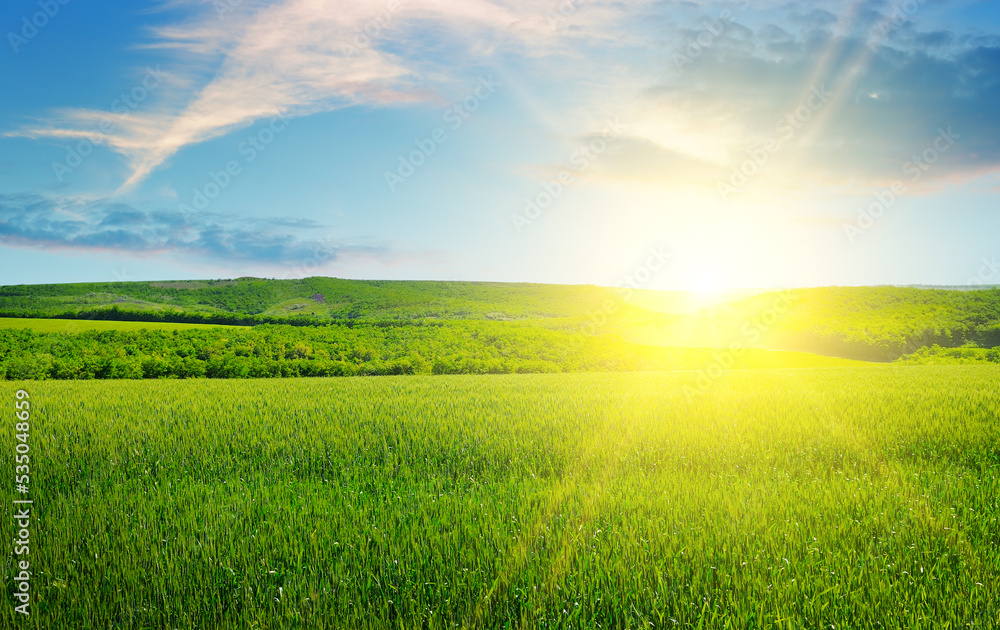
(713, 360)
(80, 325)
(825, 498)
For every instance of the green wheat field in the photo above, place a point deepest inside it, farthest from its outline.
(827, 498)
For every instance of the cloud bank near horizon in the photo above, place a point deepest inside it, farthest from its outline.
(106, 225)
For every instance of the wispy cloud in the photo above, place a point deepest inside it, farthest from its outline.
(54, 223)
(890, 97)
(294, 57)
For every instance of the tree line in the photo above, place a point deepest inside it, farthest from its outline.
(289, 351)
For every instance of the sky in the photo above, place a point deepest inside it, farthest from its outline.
(656, 144)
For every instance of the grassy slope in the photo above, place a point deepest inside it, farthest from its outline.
(869, 323)
(846, 497)
(75, 326)
(342, 299)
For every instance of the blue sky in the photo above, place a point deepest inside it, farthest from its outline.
(756, 143)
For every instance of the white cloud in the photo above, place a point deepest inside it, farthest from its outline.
(588, 61)
(295, 58)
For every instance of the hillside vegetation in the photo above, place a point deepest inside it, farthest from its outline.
(82, 325)
(268, 351)
(384, 327)
(872, 323)
(320, 299)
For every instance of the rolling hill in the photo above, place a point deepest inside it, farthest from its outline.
(318, 326)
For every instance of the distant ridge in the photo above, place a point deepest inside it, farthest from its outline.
(874, 323)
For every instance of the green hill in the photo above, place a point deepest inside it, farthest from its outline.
(512, 327)
(869, 323)
(319, 298)
(78, 325)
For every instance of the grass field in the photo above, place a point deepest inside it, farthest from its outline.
(810, 498)
(79, 325)
(66, 350)
(714, 360)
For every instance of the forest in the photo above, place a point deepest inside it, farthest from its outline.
(328, 326)
(288, 351)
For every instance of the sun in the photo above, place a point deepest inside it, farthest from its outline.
(707, 285)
